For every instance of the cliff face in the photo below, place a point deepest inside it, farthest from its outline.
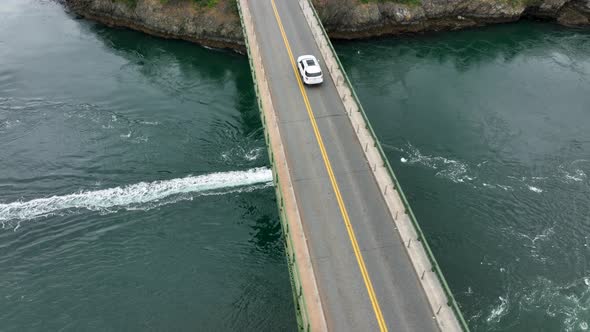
(219, 26)
(350, 19)
(215, 26)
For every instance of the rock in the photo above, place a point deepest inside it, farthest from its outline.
(551, 7)
(571, 17)
(219, 25)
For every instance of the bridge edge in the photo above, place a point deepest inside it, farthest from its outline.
(315, 24)
(308, 306)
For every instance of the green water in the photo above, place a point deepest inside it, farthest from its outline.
(489, 132)
(135, 192)
(96, 111)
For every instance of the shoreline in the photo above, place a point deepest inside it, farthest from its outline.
(219, 26)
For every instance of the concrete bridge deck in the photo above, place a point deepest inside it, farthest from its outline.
(361, 276)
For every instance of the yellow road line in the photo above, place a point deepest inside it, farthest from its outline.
(344, 212)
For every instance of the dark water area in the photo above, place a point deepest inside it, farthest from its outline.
(135, 192)
(489, 133)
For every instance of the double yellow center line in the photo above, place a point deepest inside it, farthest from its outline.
(344, 212)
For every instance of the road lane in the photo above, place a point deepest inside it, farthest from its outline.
(342, 289)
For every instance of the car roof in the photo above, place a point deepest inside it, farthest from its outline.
(313, 69)
(307, 57)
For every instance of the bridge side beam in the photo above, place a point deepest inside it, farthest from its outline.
(308, 306)
(442, 302)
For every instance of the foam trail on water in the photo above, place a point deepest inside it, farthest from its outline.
(132, 196)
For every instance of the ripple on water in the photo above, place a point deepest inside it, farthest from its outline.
(568, 303)
(486, 128)
(462, 172)
(85, 149)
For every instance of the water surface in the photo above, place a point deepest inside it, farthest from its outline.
(488, 130)
(135, 189)
(135, 192)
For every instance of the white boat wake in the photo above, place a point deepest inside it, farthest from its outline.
(143, 195)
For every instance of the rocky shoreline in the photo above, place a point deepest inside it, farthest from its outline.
(347, 19)
(218, 25)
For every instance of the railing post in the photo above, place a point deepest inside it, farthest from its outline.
(344, 89)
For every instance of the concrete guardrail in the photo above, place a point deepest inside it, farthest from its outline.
(443, 304)
(309, 312)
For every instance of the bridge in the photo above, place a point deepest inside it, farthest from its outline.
(357, 257)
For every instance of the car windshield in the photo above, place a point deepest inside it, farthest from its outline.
(310, 62)
(313, 74)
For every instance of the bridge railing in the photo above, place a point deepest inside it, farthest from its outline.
(303, 319)
(316, 22)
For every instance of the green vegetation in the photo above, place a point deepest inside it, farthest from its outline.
(208, 3)
(525, 3)
(200, 3)
(130, 3)
(403, 2)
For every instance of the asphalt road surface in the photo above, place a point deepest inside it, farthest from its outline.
(387, 295)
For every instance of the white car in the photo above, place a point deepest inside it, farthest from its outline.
(310, 70)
